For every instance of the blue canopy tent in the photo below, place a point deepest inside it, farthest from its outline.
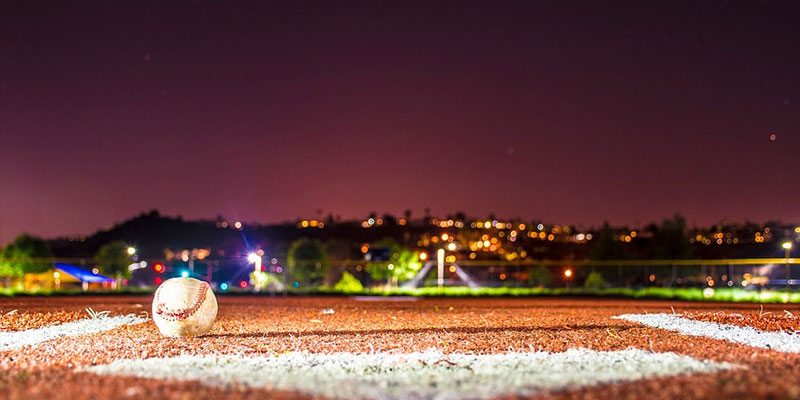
(82, 274)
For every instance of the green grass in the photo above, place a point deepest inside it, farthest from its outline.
(690, 294)
(8, 292)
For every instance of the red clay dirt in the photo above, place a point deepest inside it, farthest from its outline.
(13, 320)
(272, 325)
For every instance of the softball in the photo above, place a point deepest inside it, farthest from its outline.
(184, 307)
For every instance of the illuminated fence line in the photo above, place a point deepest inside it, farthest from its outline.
(625, 263)
(753, 273)
(557, 274)
(591, 263)
(523, 263)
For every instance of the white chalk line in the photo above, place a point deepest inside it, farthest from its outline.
(780, 341)
(12, 340)
(429, 375)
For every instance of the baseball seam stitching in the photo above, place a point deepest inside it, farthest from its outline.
(181, 314)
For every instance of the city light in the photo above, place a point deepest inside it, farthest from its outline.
(139, 265)
(223, 286)
(253, 257)
(158, 267)
(131, 251)
(787, 245)
(568, 273)
(423, 256)
(185, 274)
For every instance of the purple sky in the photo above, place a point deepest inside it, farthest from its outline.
(574, 112)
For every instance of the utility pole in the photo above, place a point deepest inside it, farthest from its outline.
(440, 267)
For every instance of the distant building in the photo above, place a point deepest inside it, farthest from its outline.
(67, 276)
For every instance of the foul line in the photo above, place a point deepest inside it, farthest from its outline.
(779, 341)
(17, 339)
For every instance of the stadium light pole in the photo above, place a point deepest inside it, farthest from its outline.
(440, 265)
(256, 260)
(787, 246)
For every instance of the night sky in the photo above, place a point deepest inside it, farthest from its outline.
(573, 112)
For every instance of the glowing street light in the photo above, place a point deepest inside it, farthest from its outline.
(568, 276)
(787, 246)
(131, 250)
(256, 260)
(253, 258)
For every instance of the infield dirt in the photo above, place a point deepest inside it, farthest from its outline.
(263, 326)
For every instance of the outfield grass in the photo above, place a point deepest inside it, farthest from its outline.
(690, 294)
(75, 292)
